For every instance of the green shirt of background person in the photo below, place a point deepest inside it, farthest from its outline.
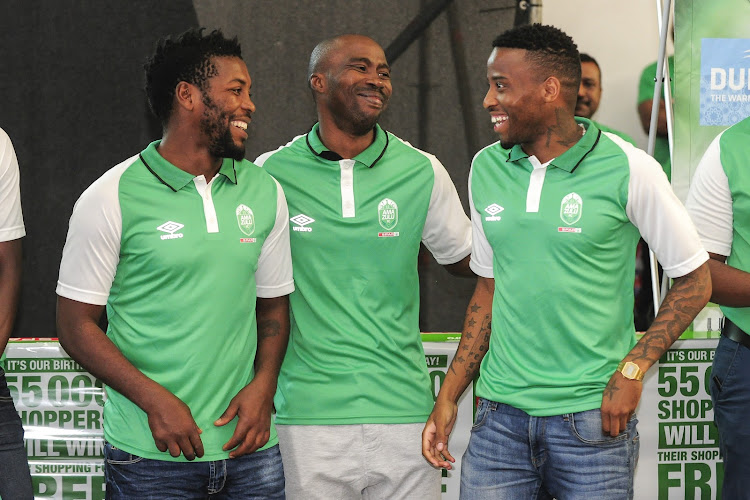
(645, 98)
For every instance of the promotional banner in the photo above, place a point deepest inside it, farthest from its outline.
(439, 349)
(679, 454)
(712, 78)
(61, 407)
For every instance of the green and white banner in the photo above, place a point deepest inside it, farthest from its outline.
(679, 454)
(60, 405)
(712, 78)
(439, 349)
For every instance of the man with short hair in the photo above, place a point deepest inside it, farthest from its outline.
(187, 245)
(354, 390)
(557, 207)
(15, 480)
(719, 203)
(590, 93)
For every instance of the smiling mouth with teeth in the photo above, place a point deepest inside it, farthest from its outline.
(499, 119)
(239, 124)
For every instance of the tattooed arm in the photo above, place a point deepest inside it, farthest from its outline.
(688, 295)
(254, 403)
(475, 341)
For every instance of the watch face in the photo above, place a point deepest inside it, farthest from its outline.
(630, 371)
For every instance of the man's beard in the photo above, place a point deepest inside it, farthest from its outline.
(215, 125)
(348, 115)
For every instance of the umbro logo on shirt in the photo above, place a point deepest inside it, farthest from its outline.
(301, 221)
(171, 228)
(493, 210)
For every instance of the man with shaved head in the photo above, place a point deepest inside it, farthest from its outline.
(353, 390)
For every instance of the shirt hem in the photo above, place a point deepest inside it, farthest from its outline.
(12, 233)
(482, 271)
(166, 457)
(410, 419)
(546, 411)
(269, 292)
(688, 266)
(79, 295)
(455, 258)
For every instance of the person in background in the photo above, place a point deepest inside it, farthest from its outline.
(557, 207)
(187, 246)
(354, 390)
(719, 203)
(15, 479)
(645, 103)
(590, 94)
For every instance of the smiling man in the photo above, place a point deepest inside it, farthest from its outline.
(354, 391)
(590, 94)
(187, 246)
(557, 206)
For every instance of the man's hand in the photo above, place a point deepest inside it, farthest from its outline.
(436, 432)
(174, 429)
(619, 401)
(253, 407)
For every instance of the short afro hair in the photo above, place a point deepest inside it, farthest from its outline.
(550, 50)
(587, 58)
(186, 58)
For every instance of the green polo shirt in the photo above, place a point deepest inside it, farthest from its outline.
(623, 135)
(559, 241)
(734, 145)
(175, 260)
(719, 202)
(355, 353)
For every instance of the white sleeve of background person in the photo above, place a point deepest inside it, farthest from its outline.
(481, 251)
(92, 248)
(447, 230)
(11, 217)
(274, 275)
(709, 202)
(659, 215)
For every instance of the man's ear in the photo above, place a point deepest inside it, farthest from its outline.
(318, 83)
(186, 94)
(551, 89)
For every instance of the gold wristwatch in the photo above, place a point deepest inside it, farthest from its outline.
(630, 370)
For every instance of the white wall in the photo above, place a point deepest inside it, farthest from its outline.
(623, 36)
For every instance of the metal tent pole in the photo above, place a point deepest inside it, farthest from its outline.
(663, 20)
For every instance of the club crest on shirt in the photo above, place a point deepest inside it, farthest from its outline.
(388, 214)
(571, 208)
(245, 219)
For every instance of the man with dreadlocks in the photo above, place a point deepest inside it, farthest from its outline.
(557, 207)
(187, 246)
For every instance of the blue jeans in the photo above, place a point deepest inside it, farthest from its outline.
(15, 480)
(730, 394)
(512, 455)
(256, 476)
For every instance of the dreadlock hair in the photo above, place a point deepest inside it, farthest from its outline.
(186, 58)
